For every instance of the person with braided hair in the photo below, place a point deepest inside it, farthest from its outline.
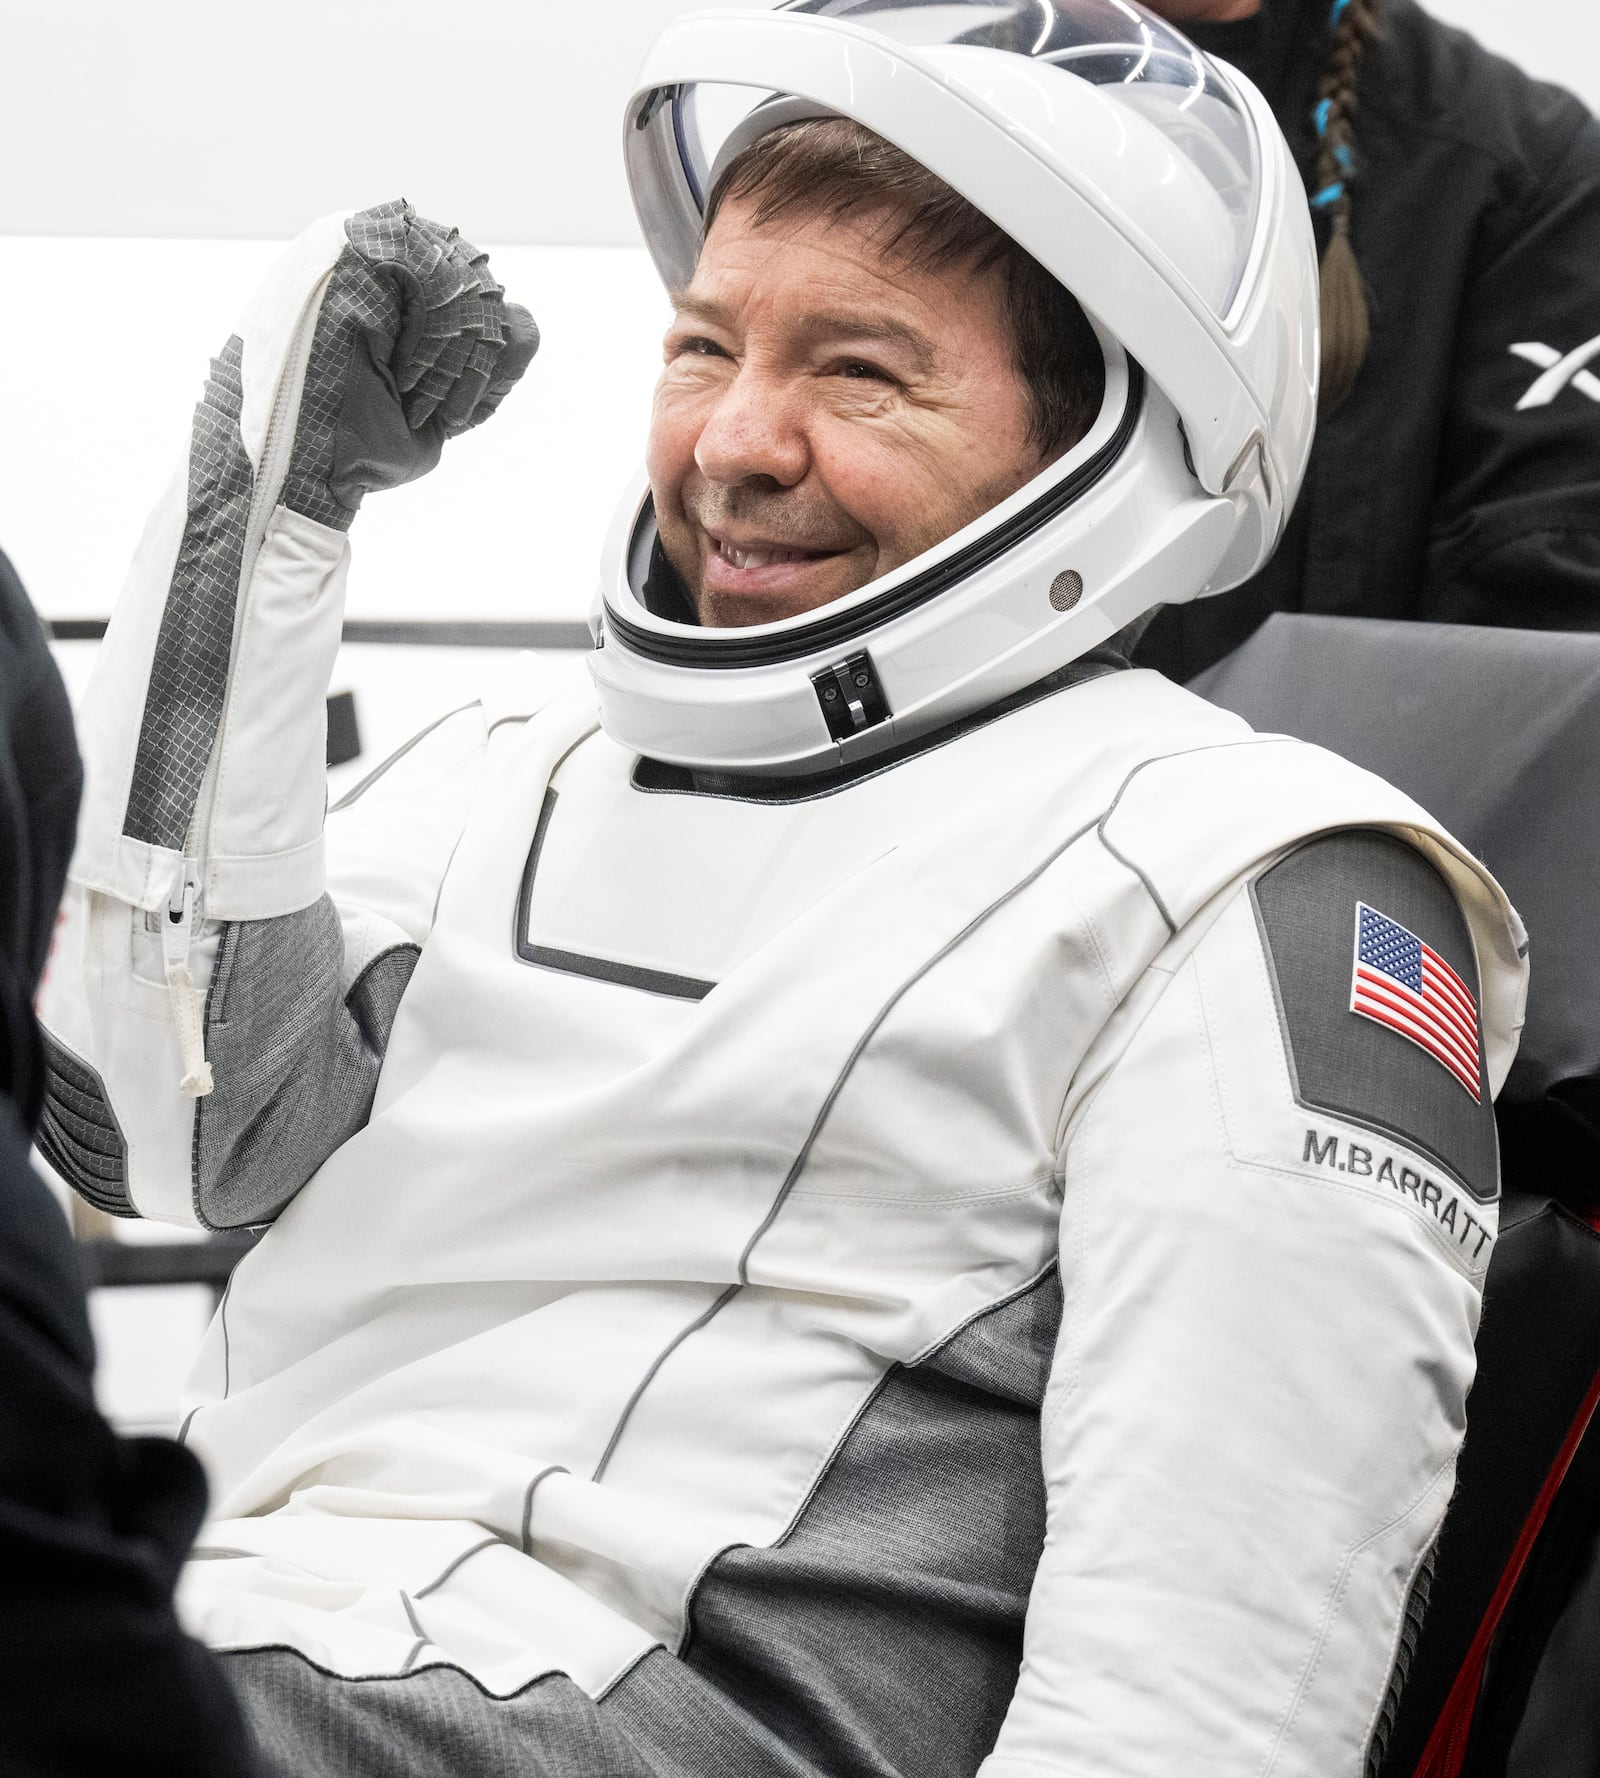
(1456, 473)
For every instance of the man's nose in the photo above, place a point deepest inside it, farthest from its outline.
(755, 429)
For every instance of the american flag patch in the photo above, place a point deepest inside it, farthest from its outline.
(1408, 986)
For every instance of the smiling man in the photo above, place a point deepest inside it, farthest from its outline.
(879, 1194)
(861, 366)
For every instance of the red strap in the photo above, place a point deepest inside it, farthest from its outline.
(1447, 1745)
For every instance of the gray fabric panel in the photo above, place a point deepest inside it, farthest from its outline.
(295, 1064)
(356, 300)
(882, 1636)
(375, 997)
(435, 1723)
(1344, 1063)
(78, 1132)
(184, 702)
(1410, 1634)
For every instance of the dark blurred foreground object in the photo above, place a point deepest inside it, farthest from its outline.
(1497, 733)
(1459, 481)
(95, 1675)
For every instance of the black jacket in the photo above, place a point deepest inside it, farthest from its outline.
(1476, 221)
(95, 1676)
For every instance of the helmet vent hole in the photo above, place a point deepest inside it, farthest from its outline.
(1066, 589)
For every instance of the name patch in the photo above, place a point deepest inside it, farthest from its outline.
(1443, 1202)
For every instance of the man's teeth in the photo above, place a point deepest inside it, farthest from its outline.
(759, 558)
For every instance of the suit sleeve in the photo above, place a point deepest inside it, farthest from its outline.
(1516, 528)
(219, 1004)
(1277, 1214)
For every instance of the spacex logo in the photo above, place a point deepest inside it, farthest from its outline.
(1558, 371)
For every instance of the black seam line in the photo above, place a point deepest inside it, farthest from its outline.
(214, 1552)
(466, 1556)
(227, 1350)
(726, 650)
(554, 633)
(438, 894)
(1277, 991)
(649, 1377)
(826, 1107)
(603, 969)
(521, 912)
(557, 633)
(622, 975)
(612, 1684)
(1150, 888)
(379, 1679)
(834, 780)
(979, 919)
(890, 1370)
(502, 721)
(422, 1635)
(549, 1469)
(977, 1315)
(183, 1430)
(1182, 753)
(547, 806)
(399, 754)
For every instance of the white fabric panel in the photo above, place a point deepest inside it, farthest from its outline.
(265, 851)
(510, 1280)
(1216, 1461)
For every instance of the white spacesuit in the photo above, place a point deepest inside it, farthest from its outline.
(714, 1128)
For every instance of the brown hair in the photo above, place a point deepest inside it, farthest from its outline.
(836, 168)
(1345, 325)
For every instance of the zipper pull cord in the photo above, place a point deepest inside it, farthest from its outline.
(177, 933)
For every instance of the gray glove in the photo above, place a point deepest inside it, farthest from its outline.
(414, 343)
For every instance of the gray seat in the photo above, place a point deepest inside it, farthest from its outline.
(1497, 733)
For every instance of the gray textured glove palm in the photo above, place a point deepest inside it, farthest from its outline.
(414, 343)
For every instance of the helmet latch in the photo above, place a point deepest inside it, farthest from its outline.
(851, 696)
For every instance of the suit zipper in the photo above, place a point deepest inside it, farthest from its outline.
(185, 909)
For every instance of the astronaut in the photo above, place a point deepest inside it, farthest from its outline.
(878, 1192)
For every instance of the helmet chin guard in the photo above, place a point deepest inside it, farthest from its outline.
(1155, 185)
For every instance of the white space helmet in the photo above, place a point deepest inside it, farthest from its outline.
(1156, 186)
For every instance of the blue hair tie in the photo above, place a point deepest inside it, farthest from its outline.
(1320, 116)
(1337, 13)
(1345, 160)
(1330, 194)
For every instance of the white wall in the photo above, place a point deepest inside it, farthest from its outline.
(96, 403)
(245, 120)
(219, 118)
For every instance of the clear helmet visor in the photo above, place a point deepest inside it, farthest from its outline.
(1171, 120)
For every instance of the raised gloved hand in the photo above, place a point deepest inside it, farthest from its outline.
(413, 344)
(373, 339)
